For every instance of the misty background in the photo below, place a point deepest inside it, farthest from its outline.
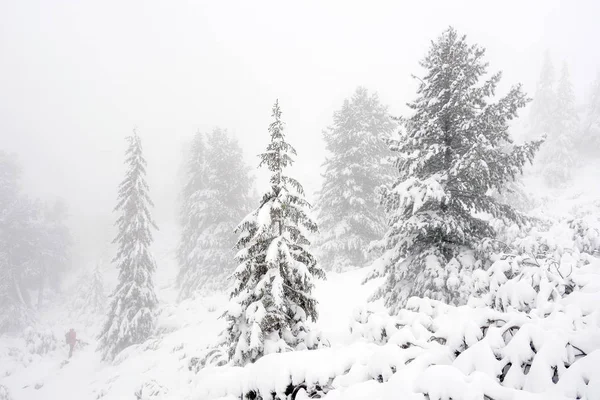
(77, 77)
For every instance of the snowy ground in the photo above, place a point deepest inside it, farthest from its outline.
(189, 328)
(430, 350)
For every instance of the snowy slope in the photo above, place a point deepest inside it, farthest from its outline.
(430, 349)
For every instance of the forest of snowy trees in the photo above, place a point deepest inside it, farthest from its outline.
(434, 204)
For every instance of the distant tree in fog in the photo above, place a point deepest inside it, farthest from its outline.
(557, 154)
(349, 214)
(543, 106)
(54, 242)
(215, 197)
(188, 254)
(90, 299)
(131, 317)
(34, 247)
(590, 138)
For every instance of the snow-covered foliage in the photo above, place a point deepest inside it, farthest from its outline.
(271, 300)
(516, 195)
(39, 342)
(4, 393)
(151, 390)
(215, 198)
(130, 318)
(431, 350)
(454, 149)
(349, 214)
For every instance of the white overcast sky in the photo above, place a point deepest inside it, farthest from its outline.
(77, 76)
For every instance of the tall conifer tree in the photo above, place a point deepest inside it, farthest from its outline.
(130, 317)
(271, 299)
(453, 149)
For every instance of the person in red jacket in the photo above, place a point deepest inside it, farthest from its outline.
(71, 338)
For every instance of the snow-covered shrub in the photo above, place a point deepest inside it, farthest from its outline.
(524, 283)
(151, 390)
(4, 393)
(40, 342)
(503, 349)
(585, 235)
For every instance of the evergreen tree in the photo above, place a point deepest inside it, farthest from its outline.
(558, 152)
(214, 208)
(452, 151)
(271, 299)
(349, 214)
(590, 140)
(543, 107)
(130, 318)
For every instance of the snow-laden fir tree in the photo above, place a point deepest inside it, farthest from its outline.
(589, 142)
(272, 299)
(452, 151)
(216, 198)
(130, 317)
(557, 154)
(349, 214)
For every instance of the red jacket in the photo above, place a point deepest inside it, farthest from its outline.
(71, 337)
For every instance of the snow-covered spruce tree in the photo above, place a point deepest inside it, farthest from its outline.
(271, 299)
(130, 317)
(349, 214)
(214, 209)
(453, 149)
(557, 155)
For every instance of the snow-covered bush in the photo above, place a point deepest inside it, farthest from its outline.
(586, 234)
(4, 393)
(40, 342)
(151, 390)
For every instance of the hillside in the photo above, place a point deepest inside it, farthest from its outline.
(528, 332)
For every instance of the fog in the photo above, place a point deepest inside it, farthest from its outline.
(77, 77)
